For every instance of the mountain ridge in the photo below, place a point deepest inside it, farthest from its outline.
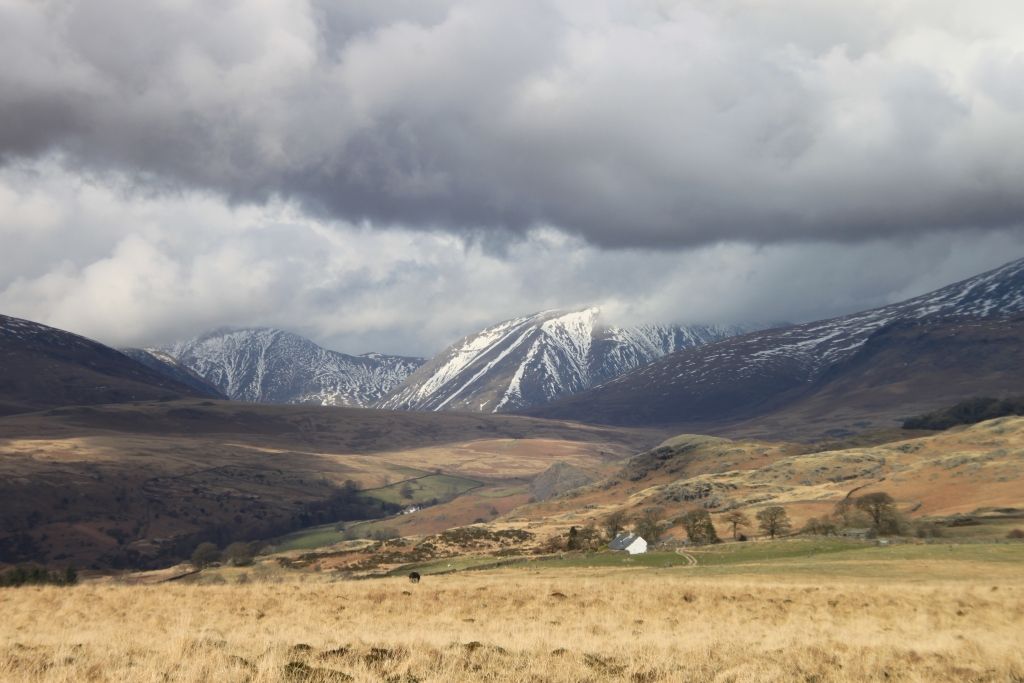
(530, 360)
(754, 372)
(46, 367)
(269, 365)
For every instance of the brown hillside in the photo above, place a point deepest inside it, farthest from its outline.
(141, 484)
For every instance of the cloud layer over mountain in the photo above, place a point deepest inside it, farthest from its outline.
(366, 169)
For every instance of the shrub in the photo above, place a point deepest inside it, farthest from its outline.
(205, 554)
(1015, 534)
(28, 575)
(239, 554)
(929, 530)
(819, 527)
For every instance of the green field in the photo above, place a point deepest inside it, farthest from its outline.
(423, 490)
(308, 539)
(986, 529)
(766, 551)
(503, 491)
(798, 558)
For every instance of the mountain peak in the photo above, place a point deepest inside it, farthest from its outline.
(532, 359)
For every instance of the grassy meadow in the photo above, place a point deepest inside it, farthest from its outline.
(905, 613)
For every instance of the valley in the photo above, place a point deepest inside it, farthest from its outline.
(138, 484)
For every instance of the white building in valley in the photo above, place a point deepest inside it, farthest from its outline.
(631, 543)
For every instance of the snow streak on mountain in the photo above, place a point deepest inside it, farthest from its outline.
(272, 366)
(531, 360)
(752, 372)
(818, 345)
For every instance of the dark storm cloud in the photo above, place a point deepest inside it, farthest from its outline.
(630, 123)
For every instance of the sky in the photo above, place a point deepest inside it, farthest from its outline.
(390, 176)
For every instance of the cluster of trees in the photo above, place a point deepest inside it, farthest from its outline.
(697, 523)
(238, 554)
(699, 527)
(33, 575)
(584, 538)
(875, 511)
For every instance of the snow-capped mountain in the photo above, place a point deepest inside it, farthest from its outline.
(266, 365)
(531, 360)
(751, 373)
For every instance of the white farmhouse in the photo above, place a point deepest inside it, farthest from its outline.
(631, 543)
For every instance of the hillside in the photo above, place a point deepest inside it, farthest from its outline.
(265, 365)
(529, 361)
(43, 367)
(958, 341)
(962, 471)
(164, 364)
(140, 485)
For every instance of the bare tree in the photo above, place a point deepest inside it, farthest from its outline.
(881, 508)
(844, 512)
(774, 521)
(648, 525)
(737, 520)
(614, 523)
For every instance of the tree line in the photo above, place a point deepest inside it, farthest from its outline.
(31, 575)
(876, 512)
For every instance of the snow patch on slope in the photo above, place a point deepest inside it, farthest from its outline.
(266, 365)
(534, 359)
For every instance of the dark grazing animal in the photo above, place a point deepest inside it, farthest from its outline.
(414, 577)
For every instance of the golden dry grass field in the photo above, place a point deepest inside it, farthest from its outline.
(525, 625)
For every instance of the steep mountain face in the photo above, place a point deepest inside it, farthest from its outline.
(529, 361)
(761, 372)
(44, 367)
(272, 366)
(167, 365)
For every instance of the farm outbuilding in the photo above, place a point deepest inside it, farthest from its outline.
(633, 544)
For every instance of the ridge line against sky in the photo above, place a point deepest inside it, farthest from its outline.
(391, 176)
